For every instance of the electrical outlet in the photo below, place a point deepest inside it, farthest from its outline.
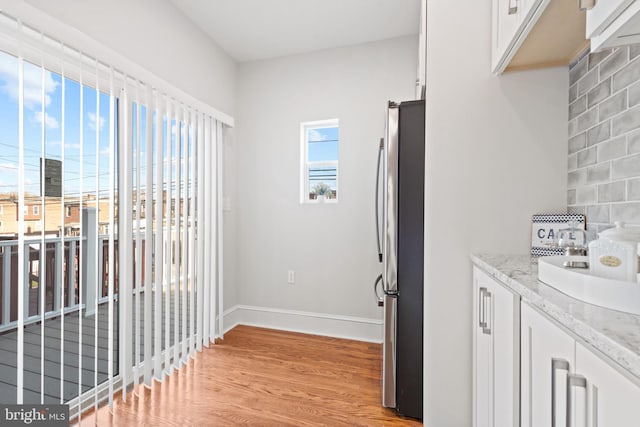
(291, 276)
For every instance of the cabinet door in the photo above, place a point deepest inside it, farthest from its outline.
(611, 398)
(505, 329)
(603, 14)
(504, 26)
(496, 349)
(482, 352)
(547, 355)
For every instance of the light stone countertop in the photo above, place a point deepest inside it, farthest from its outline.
(613, 333)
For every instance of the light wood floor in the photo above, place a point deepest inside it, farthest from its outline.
(262, 377)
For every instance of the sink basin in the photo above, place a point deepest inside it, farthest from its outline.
(579, 283)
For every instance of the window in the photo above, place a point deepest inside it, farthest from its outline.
(67, 211)
(319, 161)
(1, 209)
(36, 210)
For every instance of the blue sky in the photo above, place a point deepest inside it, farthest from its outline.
(51, 122)
(323, 146)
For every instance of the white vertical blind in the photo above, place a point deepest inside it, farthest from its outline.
(155, 246)
(200, 230)
(213, 208)
(159, 276)
(168, 245)
(205, 233)
(148, 262)
(21, 261)
(219, 238)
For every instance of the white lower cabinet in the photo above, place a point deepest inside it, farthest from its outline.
(609, 398)
(547, 354)
(496, 353)
(563, 383)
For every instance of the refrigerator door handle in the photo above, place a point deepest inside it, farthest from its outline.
(377, 206)
(379, 297)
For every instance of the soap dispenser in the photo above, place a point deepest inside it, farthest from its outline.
(615, 254)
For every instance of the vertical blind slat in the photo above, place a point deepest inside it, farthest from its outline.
(220, 236)
(159, 243)
(148, 221)
(21, 262)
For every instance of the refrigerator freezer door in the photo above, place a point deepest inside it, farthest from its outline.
(390, 249)
(389, 352)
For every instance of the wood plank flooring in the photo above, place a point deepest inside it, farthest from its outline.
(263, 377)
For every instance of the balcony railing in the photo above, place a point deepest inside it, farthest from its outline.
(62, 261)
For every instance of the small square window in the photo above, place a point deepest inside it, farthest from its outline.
(319, 142)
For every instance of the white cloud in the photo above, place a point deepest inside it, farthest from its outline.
(32, 81)
(314, 135)
(92, 121)
(12, 167)
(49, 121)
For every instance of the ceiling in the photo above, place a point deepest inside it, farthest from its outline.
(258, 29)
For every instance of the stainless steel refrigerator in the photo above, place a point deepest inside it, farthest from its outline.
(400, 227)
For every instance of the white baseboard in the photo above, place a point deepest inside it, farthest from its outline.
(354, 328)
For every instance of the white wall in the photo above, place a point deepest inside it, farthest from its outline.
(331, 247)
(155, 35)
(496, 154)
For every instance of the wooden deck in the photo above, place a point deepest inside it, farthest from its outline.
(52, 356)
(262, 377)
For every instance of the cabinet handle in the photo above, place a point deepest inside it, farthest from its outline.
(587, 4)
(574, 381)
(481, 316)
(486, 329)
(513, 7)
(555, 365)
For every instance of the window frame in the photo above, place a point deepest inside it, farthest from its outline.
(304, 163)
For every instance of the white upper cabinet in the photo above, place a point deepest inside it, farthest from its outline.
(530, 34)
(613, 23)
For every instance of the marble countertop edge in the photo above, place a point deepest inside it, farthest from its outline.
(614, 334)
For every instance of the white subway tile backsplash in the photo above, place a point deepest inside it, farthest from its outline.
(613, 63)
(586, 194)
(614, 105)
(627, 75)
(634, 94)
(599, 133)
(578, 107)
(596, 58)
(587, 119)
(578, 178)
(579, 70)
(612, 149)
(597, 214)
(598, 173)
(625, 122)
(626, 212)
(587, 157)
(597, 94)
(586, 83)
(611, 192)
(577, 142)
(633, 189)
(604, 149)
(573, 93)
(626, 167)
